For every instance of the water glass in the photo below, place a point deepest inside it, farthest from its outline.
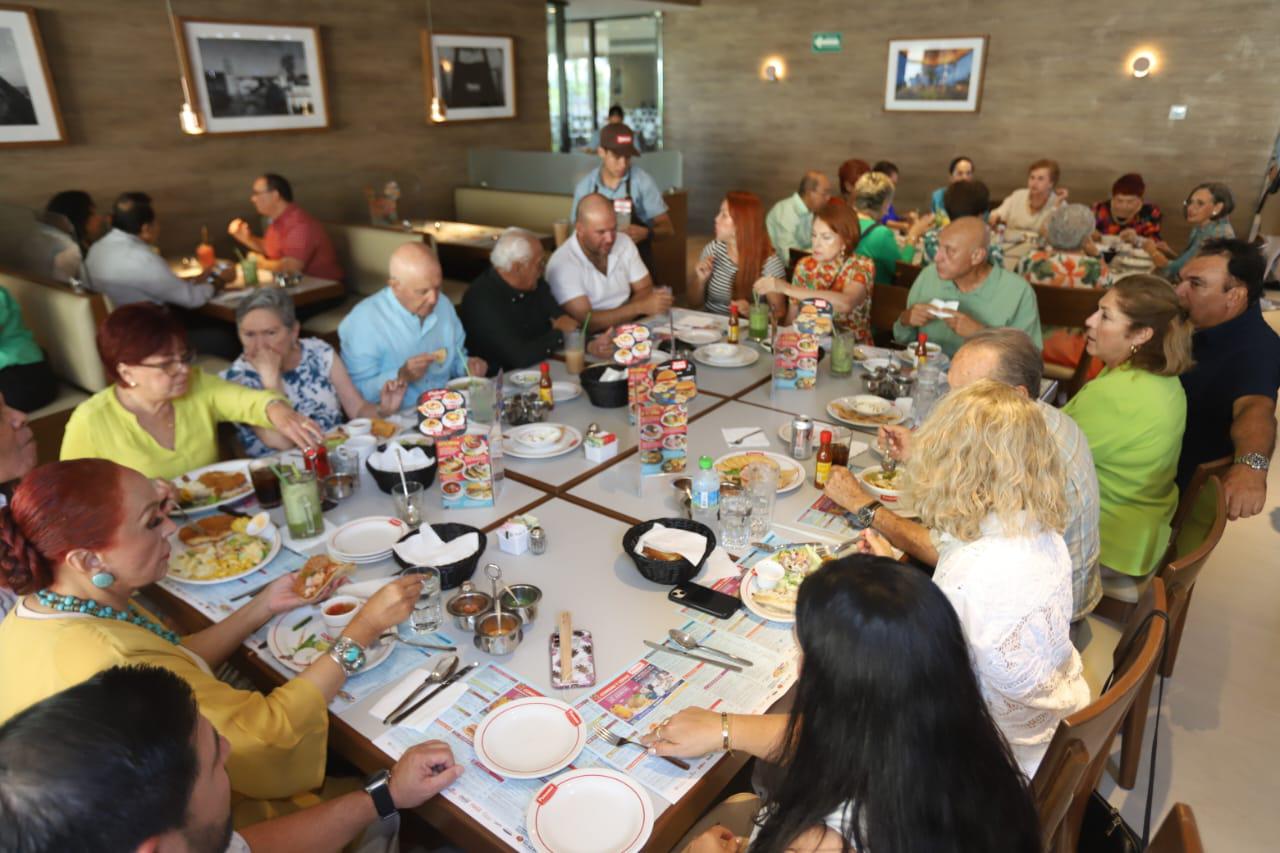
(428, 611)
(761, 483)
(410, 505)
(345, 461)
(483, 394)
(735, 519)
(842, 345)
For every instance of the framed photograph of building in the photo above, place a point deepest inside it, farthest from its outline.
(255, 77)
(474, 76)
(28, 106)
(935, 74)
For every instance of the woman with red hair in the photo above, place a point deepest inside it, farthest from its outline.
(739, 254)
(832, 271)
(76, 542)
(160, 414)
(849, 172)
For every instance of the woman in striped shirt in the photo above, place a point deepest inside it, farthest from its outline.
(739, 254)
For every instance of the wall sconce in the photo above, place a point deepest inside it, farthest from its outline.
(1142, 63)
(773, 69)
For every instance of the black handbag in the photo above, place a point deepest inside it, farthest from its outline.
(1104, 829)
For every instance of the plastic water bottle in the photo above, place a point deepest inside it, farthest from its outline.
(705, 489)
(927, 391)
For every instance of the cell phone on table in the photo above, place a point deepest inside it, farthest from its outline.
(705, 599)
(583, 660)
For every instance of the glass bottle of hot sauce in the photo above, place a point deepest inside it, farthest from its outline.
(822, 466)
(544, 387)
(204, 252)
(733, 324)
(922, 349)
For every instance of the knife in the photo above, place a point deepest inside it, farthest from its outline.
(665, 648)
(425, 699)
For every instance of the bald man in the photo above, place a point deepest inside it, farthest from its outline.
(790, 221)
(598, 271)
(406, 331)
(988, 296)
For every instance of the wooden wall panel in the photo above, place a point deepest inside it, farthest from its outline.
(1055, 87)
(116, 74)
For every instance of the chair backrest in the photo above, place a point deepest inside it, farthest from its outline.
(1066, 306)
(65, 323)
(503, 208)
(365, 253)
(904, 274)
(887, 304)
(1191, 495)
(1054, 787)
(1095, 726)
(1178, 833)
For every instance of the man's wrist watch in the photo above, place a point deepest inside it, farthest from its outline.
(864, 517)
(378, 786)
(1256, 461)
(348, 654)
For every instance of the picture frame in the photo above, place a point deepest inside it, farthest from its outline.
(29, 113)
(254, 76)
(473, 75)
(935, 74)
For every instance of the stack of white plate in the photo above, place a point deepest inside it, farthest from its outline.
(540, 440)
(366, 540)
(725, 355)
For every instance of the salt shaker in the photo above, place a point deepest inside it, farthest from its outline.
(537, 541)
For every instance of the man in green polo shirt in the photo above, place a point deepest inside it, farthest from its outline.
(962, 293)
(790, 221)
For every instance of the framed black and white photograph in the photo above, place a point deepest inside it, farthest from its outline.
(474, 76)
(28, 106)
(256, 77)
(935, 74)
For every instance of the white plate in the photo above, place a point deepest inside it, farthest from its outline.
(698, 337)
(785, 463)
(590, 811)
(538, 436)
(366, 538)
(909, 355)
(838, 433)
(525, 379)
(571, 441)
(563, 392)
(283, 638)
(871, 364)
(271, 534)
(530, 738)
(847, 416)
(238, 465)
(359, 561)
(746, 591)
(744, 356)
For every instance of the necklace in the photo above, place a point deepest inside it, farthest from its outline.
(71, 604)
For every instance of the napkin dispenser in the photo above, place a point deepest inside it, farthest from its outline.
(600, 446)
(513, 538)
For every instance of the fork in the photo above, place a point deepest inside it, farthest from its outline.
(602, 732)
(737, 442)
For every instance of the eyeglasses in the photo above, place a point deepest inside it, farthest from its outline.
(256, 191)
(172, 366)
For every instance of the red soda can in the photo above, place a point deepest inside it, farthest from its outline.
(316, 458)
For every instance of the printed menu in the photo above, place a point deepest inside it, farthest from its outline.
(795, 360)
(466, 466)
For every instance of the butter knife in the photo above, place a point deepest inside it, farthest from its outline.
(425, 699)
(665, 648)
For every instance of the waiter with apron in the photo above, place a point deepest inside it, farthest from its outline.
(637, 201)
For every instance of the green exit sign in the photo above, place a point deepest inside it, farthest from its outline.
(827, 43)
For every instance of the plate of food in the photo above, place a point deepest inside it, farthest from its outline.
(217, 549)
(524, 379)
(865, 410)
(778, 602)
(790, 474)
(213, 485)
(569, 440)
(538, 436)
(297, 638)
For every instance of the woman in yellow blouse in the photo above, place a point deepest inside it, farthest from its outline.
(76, 542)
(832, 272)
(160, 414)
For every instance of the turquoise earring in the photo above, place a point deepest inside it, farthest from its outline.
(102, 580)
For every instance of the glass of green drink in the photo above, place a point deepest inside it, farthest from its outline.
(842, 345)
(758, 321)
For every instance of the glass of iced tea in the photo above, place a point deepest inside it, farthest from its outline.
(266, 485)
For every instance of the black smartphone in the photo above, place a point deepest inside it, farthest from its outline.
(705, 599)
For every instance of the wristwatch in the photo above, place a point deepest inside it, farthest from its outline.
(865, 517)
(378, 786)
(348, 654)
(1256, 461)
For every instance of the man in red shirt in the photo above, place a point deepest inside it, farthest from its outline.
(294, 241)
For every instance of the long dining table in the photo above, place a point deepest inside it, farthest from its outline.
(584, 508)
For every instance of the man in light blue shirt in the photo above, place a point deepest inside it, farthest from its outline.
(406, 331)
(790, 221)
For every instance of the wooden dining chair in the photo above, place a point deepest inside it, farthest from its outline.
(1067, 307)
(887, 304)
(1191, 509)
(1095, 726)
(1061, 772)
(1178, 833)
(904, 274)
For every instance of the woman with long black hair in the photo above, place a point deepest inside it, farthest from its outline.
(889, 746)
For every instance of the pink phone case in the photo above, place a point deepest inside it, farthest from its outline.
(584, 660)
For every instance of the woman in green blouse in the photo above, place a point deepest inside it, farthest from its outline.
(872, 196)
(26, 382)
(1133, 415)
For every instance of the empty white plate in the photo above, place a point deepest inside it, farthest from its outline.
(698, 337)
(590, 811)
(563, 392)
(530, 738)
(366, 538)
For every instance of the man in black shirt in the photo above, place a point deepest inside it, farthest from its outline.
(511, 318)
(1231, 390)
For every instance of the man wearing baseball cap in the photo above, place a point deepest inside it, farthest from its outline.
(637, 201)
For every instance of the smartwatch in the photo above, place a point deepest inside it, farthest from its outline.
(865, 517)
(378, 786)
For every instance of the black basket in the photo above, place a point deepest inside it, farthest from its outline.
(425, 476)
(454, 574)
(670, 572)
(604, 395)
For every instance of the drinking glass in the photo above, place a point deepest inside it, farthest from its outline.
(249, 269)
(266, 485)
(735, 519)
(574, 354)
(842, 345)
(761, 482)
(303, 514)
(409, 505)
(483, 393)
(345, 461)
(758, 321)
(427, 612)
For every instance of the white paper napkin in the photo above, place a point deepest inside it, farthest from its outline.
(857, 448)
(426, 549)
(876, 352)
(415, 458)
(718, 566)
(311, 545)
(613, 375)
(732, 434)
(427, 714)
(366, 589)
(686, 543)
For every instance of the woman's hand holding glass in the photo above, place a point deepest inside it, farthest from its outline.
(385, 609)
(299, 429)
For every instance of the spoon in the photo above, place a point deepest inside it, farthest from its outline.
(444, 668)
(685, 485)
(691, 643)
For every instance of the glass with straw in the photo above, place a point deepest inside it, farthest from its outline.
(758, 319)
(300, 492)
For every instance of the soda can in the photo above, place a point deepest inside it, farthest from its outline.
(801, 437)
(316, 458)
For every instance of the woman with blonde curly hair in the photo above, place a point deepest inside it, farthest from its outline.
(986, 477)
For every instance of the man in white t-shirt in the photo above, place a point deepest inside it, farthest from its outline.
(598, 271)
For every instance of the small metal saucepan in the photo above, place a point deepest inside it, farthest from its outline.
(521, 599)
(498, 633)
(468, 606)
